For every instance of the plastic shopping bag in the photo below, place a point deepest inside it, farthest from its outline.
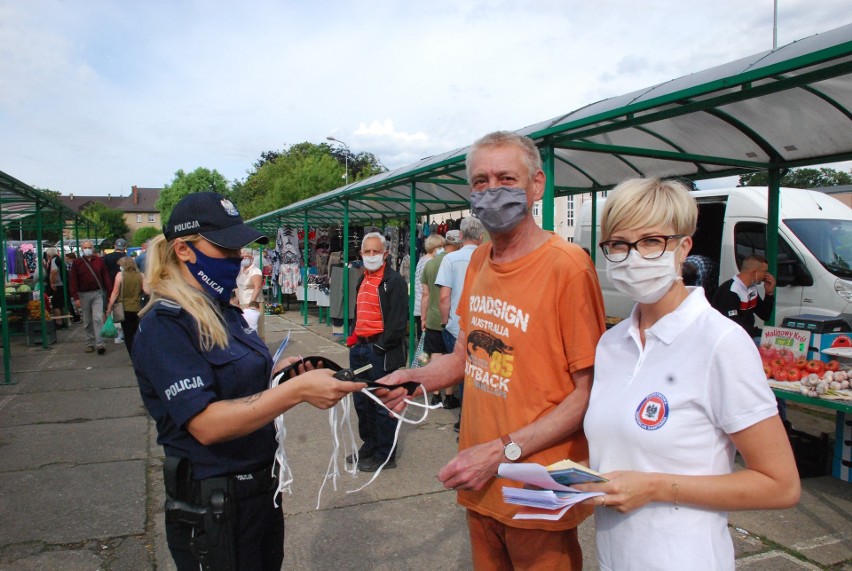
(108, 330)
(419, 358)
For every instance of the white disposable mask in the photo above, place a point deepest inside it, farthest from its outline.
(373, 263)
(87, 251)
(643, 280)
(245, 263)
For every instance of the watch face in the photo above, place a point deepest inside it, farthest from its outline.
(512, 451)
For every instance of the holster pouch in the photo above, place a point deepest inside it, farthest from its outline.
(207, 506)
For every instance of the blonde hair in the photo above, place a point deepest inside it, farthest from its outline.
(433, 242)
(167, 281)
(128, 264)
(644, 202)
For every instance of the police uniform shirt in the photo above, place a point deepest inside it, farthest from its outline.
(670, 407)
(177, 380)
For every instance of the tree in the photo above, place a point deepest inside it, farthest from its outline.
(199, 180)
(800, 178)
(144, 234)
(110, 221)
(302, 171)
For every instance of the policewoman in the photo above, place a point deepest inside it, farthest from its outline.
(203, 376)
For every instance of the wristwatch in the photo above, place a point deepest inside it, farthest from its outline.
(510, 449)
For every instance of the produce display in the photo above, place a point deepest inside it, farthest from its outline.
(814, 378)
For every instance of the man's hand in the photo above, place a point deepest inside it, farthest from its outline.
(472, 468)
(769, 284)
(393, 398)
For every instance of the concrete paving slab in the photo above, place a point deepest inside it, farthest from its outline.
(65, 406)
(72, 377)
(70, 504)
(67, 560)
(40, 445)
(818, 527)
(774, 561)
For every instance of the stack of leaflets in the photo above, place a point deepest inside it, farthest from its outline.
(552, 494)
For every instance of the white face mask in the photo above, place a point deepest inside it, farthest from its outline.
(644, 281)
(246, 262)
(87, 251)
(373, 263)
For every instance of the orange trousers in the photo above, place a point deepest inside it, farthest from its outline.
(499, 547)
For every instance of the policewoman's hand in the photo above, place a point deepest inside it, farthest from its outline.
(287, 361)
(319, 388)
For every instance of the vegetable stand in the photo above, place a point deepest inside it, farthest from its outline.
(841, 466)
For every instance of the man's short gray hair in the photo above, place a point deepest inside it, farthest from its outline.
(532, 158)
(471, 228)
(378, 235)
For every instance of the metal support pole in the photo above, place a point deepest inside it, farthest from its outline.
(7, 349)
(549, 167)
(42, 287)
(772, 219)
(593, 246)
(305, 272)
(412, 264)
(345, 269)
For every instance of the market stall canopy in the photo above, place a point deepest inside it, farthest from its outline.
(19, 201)
(784, 108)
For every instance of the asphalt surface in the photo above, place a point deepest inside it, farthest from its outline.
(81, 484)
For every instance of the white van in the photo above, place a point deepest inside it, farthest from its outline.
(814, 250)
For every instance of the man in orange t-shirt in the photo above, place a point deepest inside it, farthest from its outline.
(531, 314)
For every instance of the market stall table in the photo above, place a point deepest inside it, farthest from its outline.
(841, 466)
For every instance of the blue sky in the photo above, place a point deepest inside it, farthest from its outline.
(97, 96)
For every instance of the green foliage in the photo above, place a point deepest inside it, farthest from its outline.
(110, 221)
(144, 234)
(302, 171)
(800, 178)
(199, 180)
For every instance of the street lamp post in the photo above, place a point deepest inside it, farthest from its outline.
(346, 156)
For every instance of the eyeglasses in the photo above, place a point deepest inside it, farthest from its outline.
(649, 247)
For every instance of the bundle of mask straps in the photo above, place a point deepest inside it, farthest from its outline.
(341, 426)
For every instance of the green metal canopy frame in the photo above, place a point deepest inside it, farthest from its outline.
(20, 203)
(780, 109)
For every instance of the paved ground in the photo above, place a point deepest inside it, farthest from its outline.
(81, 487)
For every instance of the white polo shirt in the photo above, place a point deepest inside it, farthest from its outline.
(669, 407)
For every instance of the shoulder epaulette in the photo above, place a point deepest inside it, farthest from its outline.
(166, 307)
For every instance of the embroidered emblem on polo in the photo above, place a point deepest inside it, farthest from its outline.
(229, 207)
(653, 412)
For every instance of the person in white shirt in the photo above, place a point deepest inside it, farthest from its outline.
(252, 314)
(678, 389)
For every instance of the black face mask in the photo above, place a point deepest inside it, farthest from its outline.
(499, 209)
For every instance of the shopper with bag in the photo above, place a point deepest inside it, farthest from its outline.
(126, 299)
(90, 283)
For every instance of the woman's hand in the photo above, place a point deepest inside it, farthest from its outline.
(319, 388)
(624, 491)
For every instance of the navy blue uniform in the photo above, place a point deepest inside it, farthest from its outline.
(177, 380)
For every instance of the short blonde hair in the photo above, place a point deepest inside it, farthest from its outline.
(433, 242)
(644, 202)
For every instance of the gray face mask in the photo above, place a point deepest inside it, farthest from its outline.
(499, 209)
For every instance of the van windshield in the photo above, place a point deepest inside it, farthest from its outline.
(830, 241)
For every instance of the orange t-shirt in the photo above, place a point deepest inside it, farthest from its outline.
(530, 323)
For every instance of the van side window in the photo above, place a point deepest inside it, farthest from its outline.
(750, 238)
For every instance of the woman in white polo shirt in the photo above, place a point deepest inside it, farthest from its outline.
(678, 389)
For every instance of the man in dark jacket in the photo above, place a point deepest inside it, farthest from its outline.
(379, 339)
(738, 298)
(90, 286)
